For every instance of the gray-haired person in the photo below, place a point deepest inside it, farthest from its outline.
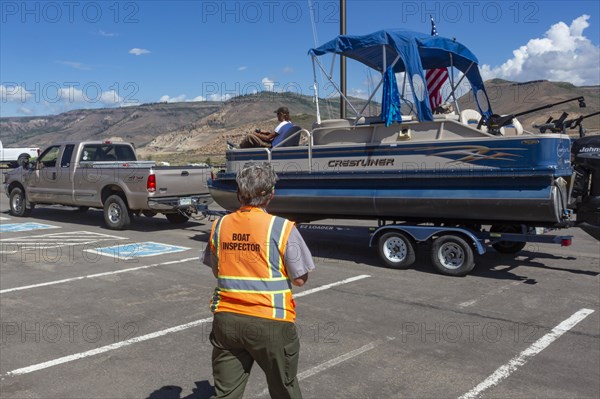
(256, 257)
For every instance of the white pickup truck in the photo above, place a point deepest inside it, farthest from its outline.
(17, 156)
(107, 175)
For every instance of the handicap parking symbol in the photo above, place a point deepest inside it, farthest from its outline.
(17, 227)
(137, 250)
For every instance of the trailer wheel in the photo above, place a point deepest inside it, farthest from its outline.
(18, 203)
(397, 250)
(507, 247)
(177, 218)
(117, 215)
(452, 255)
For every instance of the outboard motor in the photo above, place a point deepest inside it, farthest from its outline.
(585, 157)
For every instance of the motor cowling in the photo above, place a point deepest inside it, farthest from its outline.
(585, 157)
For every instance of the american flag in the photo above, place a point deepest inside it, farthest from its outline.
(435, 79)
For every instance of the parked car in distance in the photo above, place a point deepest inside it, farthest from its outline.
(14, 157)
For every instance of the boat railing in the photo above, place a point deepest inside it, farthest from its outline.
(292, 141)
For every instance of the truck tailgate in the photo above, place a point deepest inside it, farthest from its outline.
(177, 181)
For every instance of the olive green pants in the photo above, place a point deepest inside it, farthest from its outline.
(239, 340)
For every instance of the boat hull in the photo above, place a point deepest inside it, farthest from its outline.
(515, 181)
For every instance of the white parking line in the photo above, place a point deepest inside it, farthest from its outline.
(538, 346)
(327, 286)
(53, 240)
(117, 345)
(334, 362)
(497, 291)
(68, 280)
(103, 349)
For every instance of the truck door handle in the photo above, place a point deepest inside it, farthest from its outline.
(185, 173)
(53, 175)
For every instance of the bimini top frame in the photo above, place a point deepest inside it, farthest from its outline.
(409, 52)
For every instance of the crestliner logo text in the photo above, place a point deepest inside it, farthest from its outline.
(347, 163)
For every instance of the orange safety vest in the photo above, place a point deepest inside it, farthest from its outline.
(250, 248)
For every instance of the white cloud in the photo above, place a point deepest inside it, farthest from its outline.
(168, 99)
(110, 97)
(183, 98)
(220, 97)
(563, 54)
(13, 93)
(242, 68)
(107, 34)
(76, 65)
(288, 69)
(268, 83)
(24, 111)
(139, 51)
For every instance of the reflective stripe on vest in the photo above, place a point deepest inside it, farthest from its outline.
(275, 288)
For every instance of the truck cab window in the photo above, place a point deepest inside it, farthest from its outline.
(49, 157)
(65, 161)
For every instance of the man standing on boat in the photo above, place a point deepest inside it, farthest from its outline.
(270, 139)
(256, 257)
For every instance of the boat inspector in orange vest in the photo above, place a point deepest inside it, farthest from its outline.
(256, 257)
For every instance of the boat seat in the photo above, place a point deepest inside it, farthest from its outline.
(332, 123)
(342, 135)
(471, 118)
(514, 129)
(291, 140)
(369, 120)
(448, 116)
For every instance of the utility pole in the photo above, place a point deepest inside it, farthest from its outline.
(342, 61)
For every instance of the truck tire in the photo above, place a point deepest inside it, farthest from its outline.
(117, 215)
(23, 160)
(18, 203)
(396, 250)
(177, 218)
(452, 255)
(507, 247)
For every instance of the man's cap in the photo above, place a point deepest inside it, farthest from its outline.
(282, 110)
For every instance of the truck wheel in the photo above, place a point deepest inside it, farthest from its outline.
(23, 160)
(116, 214)
(396, 250)
(18, 203)
(452, 255)
(177, 218)
(507, 247)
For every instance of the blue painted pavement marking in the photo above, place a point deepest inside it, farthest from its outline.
(136, 250)
(16, 227)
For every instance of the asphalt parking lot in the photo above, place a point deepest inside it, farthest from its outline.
(87, 312)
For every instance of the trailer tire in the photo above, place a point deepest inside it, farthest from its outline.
(397, 250)
(507, 247)
(117, 215)
(18, 203)
(177, 218)
(452, 255)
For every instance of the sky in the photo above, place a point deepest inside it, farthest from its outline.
(57, 56)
